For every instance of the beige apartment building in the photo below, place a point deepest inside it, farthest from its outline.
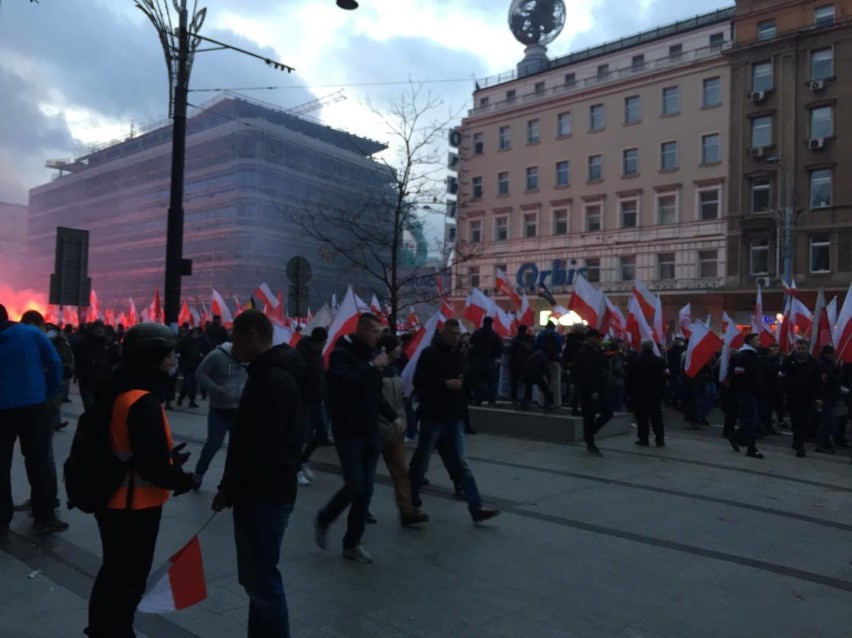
(612, 162)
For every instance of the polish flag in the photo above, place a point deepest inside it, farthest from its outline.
(504, 287)
(821, 333)
(785, 334)
(477, 307)
(843, 330)
(732, 341)
(94, 307)
(412, 321)
(702, 346)
(503, 322)
(447, 310)
(344, 322)
(800, 315)
(657, 325)
(376, 309)
(526, 316)
(588, 302)
(646, 299)
(219, 308)
(727, 322)
(684, 319)
(178, 584)
(757, 325)
(615, 321)
(638, 326)
(205, 315)
(133, 317)
(263, 293)
(415, 348)
(280, 335)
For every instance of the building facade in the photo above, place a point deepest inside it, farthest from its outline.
(252, 171)
(13, 241)
(612, 162)
(791, 106)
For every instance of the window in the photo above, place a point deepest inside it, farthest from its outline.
(505, 137)
(501, 228)
(483, 102)
(822, 64)
(821, 122)
(593, 270)
(595, 168)
(761, 193)
(473, 276)
(570, 80)
(530, 225)
(532, 178)
(603, 71)
(503, 183)
(451, 233)
(475, 234)
(668, 156)
(563, 173)
(533, 132)
(539, 87)
(476, 190)
(761, 132)
(510, 95)
(627, 268)
(820, 188)
(675, 51)
(711, 94)
(820, 253)
(666, 267)
(758, 257)
(563, 125)
(637, 63)
(478, 144)
(596, 117)
(761, 77)
(717, 40)
(631, 110)
(711, 148)
(708, 264)
(766, 29)
(629, 213)
(824, 16)
(593, 218)
(631, 162)
(671, 100)
(560, 221)
(667, 209)
(708, 205)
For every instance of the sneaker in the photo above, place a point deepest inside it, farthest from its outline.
(483, 514)
(53, 524)
(413, 518)
(320, 535)
(593, 450)
(358, 554)
(302, 479)
(307, 472)
(754, 454)
(643, 443)
(733, 442)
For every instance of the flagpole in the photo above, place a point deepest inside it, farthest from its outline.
(206, 523)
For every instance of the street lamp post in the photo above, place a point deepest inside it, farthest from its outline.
(786, 219)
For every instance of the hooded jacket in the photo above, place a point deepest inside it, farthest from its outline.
(223, 377)
(263, 453)
(30, 368)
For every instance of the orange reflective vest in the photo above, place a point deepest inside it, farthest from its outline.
(134, 492)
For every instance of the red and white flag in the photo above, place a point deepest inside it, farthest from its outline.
(684, 320)
(526, 316)
(416, 346)
(344, 322)
(447, 309)
(264, 294)
(280, 335)
(843, 330)
(785, 334)
(822, 331)
(732, 341)
(588, 302)
(178, 584)
(637, 326)
(757, 325)
(503, 322)
(477, 307)
(657, 325)
(412, 321)
(219, 308)
(505, 288)
(615, 324)
(703, 345)
(647, 300)
(739, 340)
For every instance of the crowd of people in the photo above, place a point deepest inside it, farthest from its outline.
(279, 404)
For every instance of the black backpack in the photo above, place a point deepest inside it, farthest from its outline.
(92, 471)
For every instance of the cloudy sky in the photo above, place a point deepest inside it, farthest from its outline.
(81, 72)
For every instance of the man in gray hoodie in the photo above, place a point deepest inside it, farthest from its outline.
(223, 377)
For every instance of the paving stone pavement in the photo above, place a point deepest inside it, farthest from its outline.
(688, 541)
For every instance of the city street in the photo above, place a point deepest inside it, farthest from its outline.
(691, 540)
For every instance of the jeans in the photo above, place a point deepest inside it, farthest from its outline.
(258, 533)
(316, 429)
(650, 412)
(596, 414)
(748, 412)
(30, 424)
(448, 438)
(128, 538)
(219, 423)
(827, 423)
(394, 454)
(358, 458)
(801, 414)
(410, 418)
(616, 398)
(487, 378)
(189, 387)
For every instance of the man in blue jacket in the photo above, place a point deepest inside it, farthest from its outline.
(30, 375)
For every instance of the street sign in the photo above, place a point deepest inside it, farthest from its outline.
(298, 271)
(69, 283)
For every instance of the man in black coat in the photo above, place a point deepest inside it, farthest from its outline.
(749, 384)
(313, 396)
(438, 380)
(261, 467)
(355, 374)
(486, 348)
(646, 385)
(800, 377)
(520, 350)
(590, 377)
(94, 359)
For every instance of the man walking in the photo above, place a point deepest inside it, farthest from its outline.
(313, 394)
(646, 385)
(590, 377)
(800, 377)
(261, 468)
(749, 384)
(355, 373)
(438, 380)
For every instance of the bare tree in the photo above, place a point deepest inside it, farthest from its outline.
(370, 232)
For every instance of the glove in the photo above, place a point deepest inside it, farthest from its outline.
(178, 457)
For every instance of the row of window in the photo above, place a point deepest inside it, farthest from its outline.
(819, 257)
(821, 189)
(821, 126)
(708, 208)
(822, 68)
(823, 17)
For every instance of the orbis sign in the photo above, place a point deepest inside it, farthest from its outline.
(530, 276)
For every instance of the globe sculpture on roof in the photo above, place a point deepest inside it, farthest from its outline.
(536, 21)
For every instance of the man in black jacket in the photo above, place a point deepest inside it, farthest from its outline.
(486, 348)
(438, 380)
(355, 373)
(94, 359)
(800, 376)
(313, 395)
(646, 385)
(261, 468)
(590, 376)
(749, 384)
